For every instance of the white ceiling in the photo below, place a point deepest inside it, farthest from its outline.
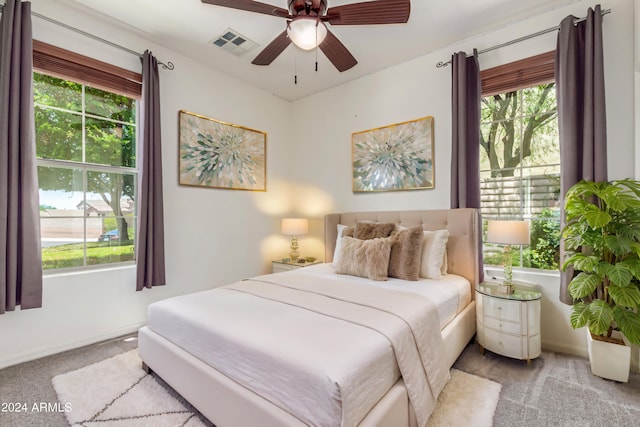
(189, 26)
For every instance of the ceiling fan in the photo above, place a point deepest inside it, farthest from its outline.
(310, 16)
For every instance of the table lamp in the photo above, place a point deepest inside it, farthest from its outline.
(508, 233)
(294, 227)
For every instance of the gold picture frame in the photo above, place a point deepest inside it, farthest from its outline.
(216, 154)
(394, 157)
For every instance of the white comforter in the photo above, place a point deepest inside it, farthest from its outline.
(321, 349)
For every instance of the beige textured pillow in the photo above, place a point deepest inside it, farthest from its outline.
(406, 253)
(365, 258)
(373, 230)
(433, 249)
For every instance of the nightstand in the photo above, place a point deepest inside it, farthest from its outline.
(508, 324)
(280, 266)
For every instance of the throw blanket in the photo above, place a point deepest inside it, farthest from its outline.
(408, 321)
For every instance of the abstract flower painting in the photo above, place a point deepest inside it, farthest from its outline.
(221, 155)
(394, 157)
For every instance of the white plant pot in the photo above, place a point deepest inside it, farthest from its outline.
(609, 360)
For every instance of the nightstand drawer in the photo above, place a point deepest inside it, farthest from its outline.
(282, 266)
(505, 344)
(502, 309)
(503, 326)
(279, 268)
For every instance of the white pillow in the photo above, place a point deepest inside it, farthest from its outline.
(434, 247)
(338, 249)
(445, 264)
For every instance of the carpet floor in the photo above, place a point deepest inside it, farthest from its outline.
(556, 390)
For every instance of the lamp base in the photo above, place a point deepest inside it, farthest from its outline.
(507, 288)
(508, 272)
(294, 254)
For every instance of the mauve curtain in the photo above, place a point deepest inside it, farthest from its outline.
(581, 110)
(150, 243)
(466, 91)
(20, 257)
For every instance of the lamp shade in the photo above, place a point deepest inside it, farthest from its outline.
(306, 32)
(508, 232)
(295, 226)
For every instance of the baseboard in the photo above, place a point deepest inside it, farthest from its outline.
(48, 351)
(565, 349)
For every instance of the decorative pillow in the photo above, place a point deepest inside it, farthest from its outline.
(433, 249)
(406, 253)
(373, 230)
(445, 264)
(338, 249)
(365, 258)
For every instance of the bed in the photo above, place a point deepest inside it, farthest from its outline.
(300, 381)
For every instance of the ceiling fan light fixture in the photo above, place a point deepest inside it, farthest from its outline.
(306, 32)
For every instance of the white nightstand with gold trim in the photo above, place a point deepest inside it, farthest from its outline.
(509, 324)
(280, 265)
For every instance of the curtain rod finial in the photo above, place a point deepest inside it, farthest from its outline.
(442, 64)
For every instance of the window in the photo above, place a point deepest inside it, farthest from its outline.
(87, 170)
(520, 160)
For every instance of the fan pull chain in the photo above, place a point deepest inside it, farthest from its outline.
(295, 69)
(317, 23)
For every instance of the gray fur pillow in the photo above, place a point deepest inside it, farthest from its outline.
(406, 254)
(373, 230)
(365, 258)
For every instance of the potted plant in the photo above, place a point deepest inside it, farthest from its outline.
(602, 237)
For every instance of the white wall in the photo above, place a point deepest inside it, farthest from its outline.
(213, 237)
(417, 88)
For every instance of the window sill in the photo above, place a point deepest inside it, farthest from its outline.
(66, 272)
(493, 270)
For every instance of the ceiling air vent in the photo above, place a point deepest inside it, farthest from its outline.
(234, 42)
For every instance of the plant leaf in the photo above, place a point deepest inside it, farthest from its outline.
(579, 315)
(625, 296)
(584, 284)
(633, 264)
(582, 262)
(619, 274)
(600, 317)
(618, 244)
(597, 218)
(629, 324)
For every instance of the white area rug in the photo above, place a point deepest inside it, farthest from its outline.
(117, 392)
(467, 400)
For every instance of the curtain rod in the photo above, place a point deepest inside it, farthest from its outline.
(168, 66)
(442, 64)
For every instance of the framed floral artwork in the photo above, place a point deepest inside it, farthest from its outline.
(216, 154)
(394, 157)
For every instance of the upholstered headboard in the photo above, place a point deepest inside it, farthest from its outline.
(463, 226)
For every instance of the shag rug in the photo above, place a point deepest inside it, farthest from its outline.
(117, 392)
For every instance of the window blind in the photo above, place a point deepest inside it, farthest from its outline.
(516, 75)
(59, 62)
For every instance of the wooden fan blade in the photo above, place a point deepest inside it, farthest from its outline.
(274, 49)
(337, 53)
(250, 6)
(370, 12)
